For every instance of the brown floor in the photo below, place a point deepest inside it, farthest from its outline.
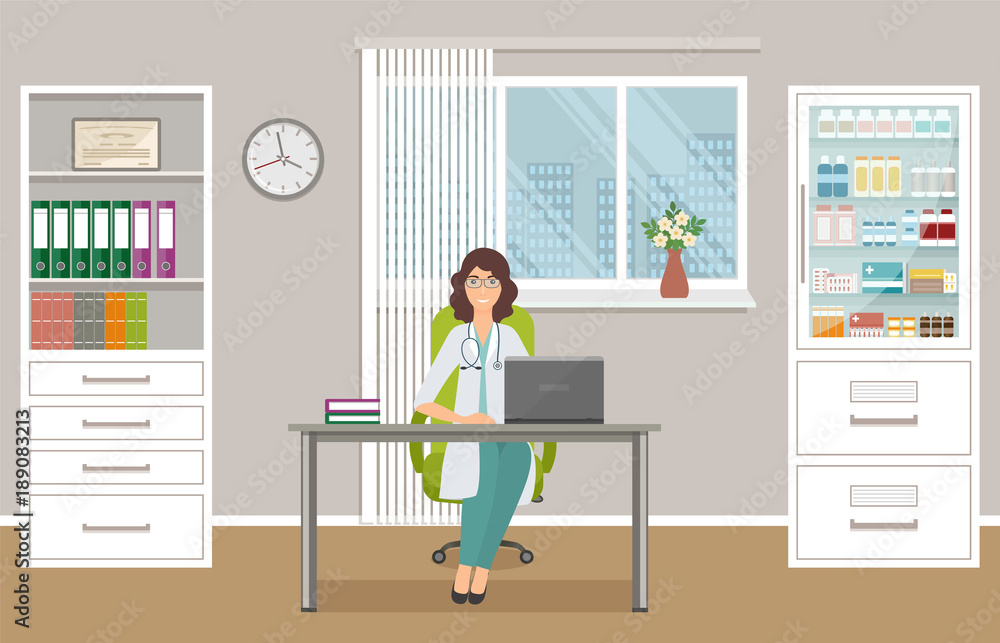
(706, 584)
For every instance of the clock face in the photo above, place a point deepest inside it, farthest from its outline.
(282, 159)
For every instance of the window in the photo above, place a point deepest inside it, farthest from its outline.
(566, 133)
(683, 142)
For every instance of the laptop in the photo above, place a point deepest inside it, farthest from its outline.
(554, 389)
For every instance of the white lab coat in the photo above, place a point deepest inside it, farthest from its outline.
(460, 469)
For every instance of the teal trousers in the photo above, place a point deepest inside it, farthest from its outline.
(503, 470)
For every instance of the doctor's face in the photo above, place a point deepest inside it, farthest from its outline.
(478, 288)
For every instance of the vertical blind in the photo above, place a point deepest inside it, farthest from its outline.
(427, 200)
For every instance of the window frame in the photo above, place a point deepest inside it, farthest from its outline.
(597, 289)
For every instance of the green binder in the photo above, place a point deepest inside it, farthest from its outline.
(100, 235)
(121, 239)
(41, 239)
(59, 222)
(130, 321)
(140, 321)
(80, 244)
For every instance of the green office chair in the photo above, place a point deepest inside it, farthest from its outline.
(430, 466)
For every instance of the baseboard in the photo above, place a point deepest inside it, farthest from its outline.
(625, 520)
(528, 521)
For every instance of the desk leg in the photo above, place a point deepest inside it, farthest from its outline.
(640, 523)
(308, 521)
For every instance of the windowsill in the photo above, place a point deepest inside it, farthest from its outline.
(605, 298)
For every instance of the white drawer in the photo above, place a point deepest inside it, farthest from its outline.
(88, 468)
(117, 422)
(883, 512)
(117, 527)
(116, 378)
(884, 408)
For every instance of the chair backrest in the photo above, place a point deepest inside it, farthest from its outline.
(442, 324)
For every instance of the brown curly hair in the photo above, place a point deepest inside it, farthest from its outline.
(496, 264)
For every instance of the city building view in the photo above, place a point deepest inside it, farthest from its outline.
(550, 233)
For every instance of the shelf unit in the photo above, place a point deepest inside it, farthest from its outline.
(883, 432)
(122, 439)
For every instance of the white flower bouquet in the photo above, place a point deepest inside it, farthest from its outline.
(675, 230)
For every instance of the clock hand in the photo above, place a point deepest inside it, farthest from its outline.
(280, 149)
(295, 164)
(266, 164)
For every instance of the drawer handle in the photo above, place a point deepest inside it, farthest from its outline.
(115, 380)
(87, 424)
(910, 421)
(116, 469)
(114, 529)
(884, 526)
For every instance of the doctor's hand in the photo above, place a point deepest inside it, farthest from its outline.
(478, 418)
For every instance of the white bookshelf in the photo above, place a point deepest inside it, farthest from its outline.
(121, 460)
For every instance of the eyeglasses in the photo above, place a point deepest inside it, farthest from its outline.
(476, 283)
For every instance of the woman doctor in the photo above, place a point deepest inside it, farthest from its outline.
(491, 478)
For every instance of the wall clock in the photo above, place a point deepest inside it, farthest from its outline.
(282, 159)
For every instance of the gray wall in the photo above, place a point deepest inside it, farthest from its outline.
(714, 453)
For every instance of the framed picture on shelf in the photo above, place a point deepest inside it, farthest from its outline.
(116, 143)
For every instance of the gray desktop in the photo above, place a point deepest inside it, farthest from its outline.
(554, 389)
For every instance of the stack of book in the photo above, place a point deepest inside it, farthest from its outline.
(352, 411)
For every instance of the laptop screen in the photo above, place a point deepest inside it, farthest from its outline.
(554, 389)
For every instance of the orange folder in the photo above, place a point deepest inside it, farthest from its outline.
(109, 321)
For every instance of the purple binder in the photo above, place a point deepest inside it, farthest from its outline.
(165, 239)
(141, 235)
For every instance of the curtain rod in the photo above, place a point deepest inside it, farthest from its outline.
(624, 44)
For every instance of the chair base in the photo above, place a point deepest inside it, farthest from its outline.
(526, 556)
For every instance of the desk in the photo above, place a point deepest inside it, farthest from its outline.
(635, 433)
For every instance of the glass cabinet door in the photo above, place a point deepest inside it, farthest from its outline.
(883, 190)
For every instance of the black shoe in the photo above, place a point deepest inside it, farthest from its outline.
(458, 598)
(475, 598)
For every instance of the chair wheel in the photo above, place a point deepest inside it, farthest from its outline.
(527, 556)
(438, 557)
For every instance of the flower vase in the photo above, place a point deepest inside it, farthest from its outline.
(674, 283)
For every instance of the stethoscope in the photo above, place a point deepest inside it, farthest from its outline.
(472, 363)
